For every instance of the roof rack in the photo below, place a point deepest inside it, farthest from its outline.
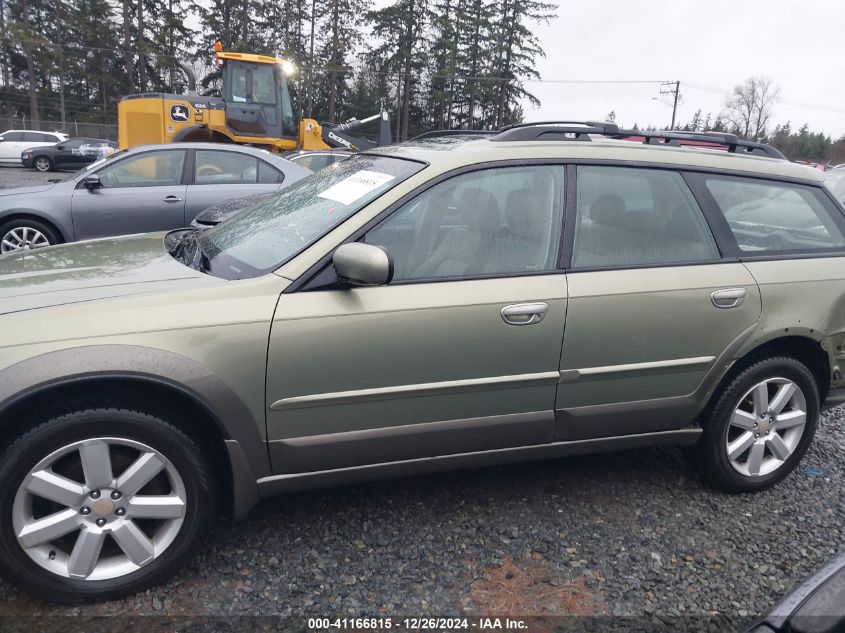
(731, 142)
(441, 133)
(581, 131)
(555, 130)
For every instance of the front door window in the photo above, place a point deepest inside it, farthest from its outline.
(150, 169)
(501, 221)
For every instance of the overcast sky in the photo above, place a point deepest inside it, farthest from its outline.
(709, 45)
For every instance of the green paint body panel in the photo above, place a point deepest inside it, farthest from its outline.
(400, 364)
(620, 317)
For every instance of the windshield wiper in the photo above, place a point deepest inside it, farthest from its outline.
(187, 250)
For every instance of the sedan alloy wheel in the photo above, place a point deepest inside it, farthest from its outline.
(22, 238)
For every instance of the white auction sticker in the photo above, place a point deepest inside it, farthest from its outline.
(356, 186)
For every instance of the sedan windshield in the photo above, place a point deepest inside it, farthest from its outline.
(269, 232)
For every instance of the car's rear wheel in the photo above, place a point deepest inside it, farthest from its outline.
(761, 425)
(25, 235)
(101, 503)
(43, 163)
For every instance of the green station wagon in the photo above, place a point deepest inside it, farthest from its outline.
(544, 291)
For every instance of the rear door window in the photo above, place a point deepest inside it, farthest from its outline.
(638, 217)
(768, 217)
(224, 168)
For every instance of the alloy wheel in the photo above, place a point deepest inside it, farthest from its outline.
(42, 164)
(766, 427)
(22, 238)
(99, 509)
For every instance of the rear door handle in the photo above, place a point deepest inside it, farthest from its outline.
(525, 313)
(172, 199)
(728, 298)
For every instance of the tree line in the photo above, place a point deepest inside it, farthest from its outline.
(801, 144)
(430, 63)
(748, 112)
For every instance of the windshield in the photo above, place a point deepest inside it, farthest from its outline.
(835, 181)
(268, 233)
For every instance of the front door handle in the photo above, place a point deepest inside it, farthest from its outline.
(172, 199)
(728, 298)
(525, 313)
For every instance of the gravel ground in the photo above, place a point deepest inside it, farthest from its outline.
(635, 534)
(20, 177)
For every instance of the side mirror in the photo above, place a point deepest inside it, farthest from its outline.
(92, 181)
(359, 264)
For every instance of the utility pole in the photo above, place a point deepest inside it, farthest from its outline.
(672, 88)
(675, 103)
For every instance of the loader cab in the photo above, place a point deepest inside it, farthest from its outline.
(257, 95)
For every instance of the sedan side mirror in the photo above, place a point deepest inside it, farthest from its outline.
(359, 264)
(92, 181)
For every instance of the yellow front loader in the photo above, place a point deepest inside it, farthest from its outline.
(255, 108)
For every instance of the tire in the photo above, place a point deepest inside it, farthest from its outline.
(735, 421)
(44, 568)
(42, 163)
(26, 234)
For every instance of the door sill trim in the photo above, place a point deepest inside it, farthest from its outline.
(276, 484)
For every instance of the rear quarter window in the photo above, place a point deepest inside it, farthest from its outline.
(767, 217)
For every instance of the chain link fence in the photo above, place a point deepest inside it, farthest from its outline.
(72, 128)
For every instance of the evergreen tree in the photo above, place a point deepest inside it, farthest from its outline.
(444, 58)
(474, 39)
(401, 51)
(696, 123)
(341, 28)
(517, 49)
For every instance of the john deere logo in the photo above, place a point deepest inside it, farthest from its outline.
(179, 113)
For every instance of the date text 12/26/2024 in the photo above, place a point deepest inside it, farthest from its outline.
(318, 625)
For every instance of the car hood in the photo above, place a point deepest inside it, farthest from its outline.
(85, 271)
(23, 191)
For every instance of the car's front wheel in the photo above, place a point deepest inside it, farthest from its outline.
(761, 424)
(25, 235)
(42, 163)
(101, 503)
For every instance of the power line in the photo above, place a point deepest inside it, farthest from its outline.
(795, 104)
